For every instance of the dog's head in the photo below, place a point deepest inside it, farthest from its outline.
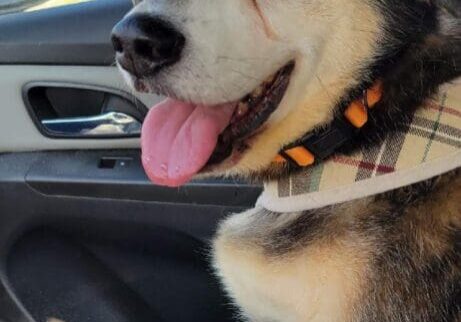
(246, 77)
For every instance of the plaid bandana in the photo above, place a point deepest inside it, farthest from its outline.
(427, 147)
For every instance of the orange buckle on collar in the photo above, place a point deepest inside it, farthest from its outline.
(374, 94)
(301, 156)
(357, 114)
(279, 159)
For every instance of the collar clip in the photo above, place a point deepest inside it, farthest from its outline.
(321, 144)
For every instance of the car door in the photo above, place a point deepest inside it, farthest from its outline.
(83, 235)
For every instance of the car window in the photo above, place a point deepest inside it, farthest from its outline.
(10, 6)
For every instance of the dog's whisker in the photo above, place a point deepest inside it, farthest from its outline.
(249, 60)
(241, 73)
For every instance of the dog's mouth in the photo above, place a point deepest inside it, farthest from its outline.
(180, 139)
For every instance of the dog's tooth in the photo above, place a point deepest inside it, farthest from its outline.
(258, 92)
(242, 109)
(270, 80)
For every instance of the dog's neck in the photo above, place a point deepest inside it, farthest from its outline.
(426, 145)
(409, 75)
(321, 144)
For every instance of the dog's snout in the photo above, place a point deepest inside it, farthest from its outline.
(145, 44)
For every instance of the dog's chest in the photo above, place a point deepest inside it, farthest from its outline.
(348, 262)
(277, 268)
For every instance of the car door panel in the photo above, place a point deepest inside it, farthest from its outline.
(84, 236)
(151, 240)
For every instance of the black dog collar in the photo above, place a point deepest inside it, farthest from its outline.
(319, 145)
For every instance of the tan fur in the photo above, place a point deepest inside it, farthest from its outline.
(322, 282)
(295, 289)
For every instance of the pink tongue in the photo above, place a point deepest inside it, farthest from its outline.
(178, 139)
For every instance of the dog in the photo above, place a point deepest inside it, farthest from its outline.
(246, 81)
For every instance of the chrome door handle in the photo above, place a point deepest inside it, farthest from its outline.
(111, 124)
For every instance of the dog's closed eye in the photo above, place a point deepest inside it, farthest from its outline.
(256, 6)
(266, 24)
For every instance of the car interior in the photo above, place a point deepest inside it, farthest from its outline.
(84, 236)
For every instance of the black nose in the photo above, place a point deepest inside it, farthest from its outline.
(145, 44)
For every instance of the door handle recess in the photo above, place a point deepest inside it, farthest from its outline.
(76, 111)
(114, 124)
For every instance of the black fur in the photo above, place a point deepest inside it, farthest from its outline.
(419, 55)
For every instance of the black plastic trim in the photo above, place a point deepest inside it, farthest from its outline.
(67, 190)
(79, 174)
(69, 35)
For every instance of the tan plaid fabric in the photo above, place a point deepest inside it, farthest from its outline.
(433, 135)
